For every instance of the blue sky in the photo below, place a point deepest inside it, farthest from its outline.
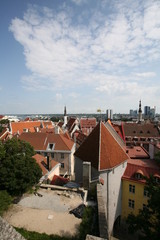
(85, 54)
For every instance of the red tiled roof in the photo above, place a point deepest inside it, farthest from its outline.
(40, 141)
(42, 162)
(102, 149)
(147, 167)
(136, 152)
(58, 180)
(18, 127)
(70, 122)
(141, 130)
(88, 122)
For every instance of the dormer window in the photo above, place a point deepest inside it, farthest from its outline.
(51, 146)
(157, 178)
(139, 175)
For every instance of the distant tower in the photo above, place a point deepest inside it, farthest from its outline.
(109, 113)
(140, 112)
(65, 117)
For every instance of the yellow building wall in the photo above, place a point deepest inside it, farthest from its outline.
(138, 197)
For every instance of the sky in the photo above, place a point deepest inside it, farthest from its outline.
(85, 54)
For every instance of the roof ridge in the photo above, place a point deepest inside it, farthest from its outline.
(99, 145)
(107, 125)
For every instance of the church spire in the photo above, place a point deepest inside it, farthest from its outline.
(65, 111)
(140, 112)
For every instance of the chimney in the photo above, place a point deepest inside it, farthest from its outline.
(56, 130)
(48, 163)
(86, 175)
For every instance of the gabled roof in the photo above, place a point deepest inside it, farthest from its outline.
(42, 162)
(18, 127)
(146, 167)
(141, 130)
(102, 149)
(70, 122)
(137, 152)
(40, 141)
(88, 122)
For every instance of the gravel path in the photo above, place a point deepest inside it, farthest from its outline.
(57, 201)
(49, 213)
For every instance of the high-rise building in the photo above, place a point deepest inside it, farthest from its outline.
(146, 110)
(109, 113)
(153, 112)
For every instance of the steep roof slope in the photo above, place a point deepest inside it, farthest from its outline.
(141, 130)
(40, 141)
(147, 167)
(102, 148)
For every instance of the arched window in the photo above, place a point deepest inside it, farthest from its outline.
(139, 174)
(157, 178)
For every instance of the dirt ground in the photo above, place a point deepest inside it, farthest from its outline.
(47, 214)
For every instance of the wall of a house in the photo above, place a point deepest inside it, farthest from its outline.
(54, 171)
(112, 193)
(138, 197)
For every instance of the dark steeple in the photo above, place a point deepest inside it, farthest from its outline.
(65, 111)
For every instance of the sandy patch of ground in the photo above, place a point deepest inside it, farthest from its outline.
(48, 214)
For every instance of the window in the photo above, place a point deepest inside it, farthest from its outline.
(62, 165)
(45, 154)
(131, 203)
(50, 146)
(52, 155)
(144, 206)
(157, 179)
(138, 176)
(146, 193)
(62, 155)
(131, 188)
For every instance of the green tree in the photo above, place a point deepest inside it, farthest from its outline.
(147, 222)
(5, 201)
(18, 170)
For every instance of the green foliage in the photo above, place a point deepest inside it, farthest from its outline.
(18, 170)
(4, 121)
(157, 157)
(5, 201)
(41, 236)
(148, 219)
(89, 224)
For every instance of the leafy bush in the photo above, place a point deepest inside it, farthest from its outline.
(18, 170)
(5, 201)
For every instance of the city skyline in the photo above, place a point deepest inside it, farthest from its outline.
(84, 54)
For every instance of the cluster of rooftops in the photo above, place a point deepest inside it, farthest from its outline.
(95, 142)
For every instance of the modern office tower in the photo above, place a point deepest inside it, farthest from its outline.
(133, 113)
(147, 111)
(109, 113)
(153, 112)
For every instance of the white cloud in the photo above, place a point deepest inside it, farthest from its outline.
(58, 96)
(63, 50)
(146, 74)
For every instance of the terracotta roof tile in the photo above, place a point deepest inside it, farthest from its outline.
(136, 152)
(88, 122)
(101, 149)
(19, 127)
(141, 130)
(147, 167)
(40, 141)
